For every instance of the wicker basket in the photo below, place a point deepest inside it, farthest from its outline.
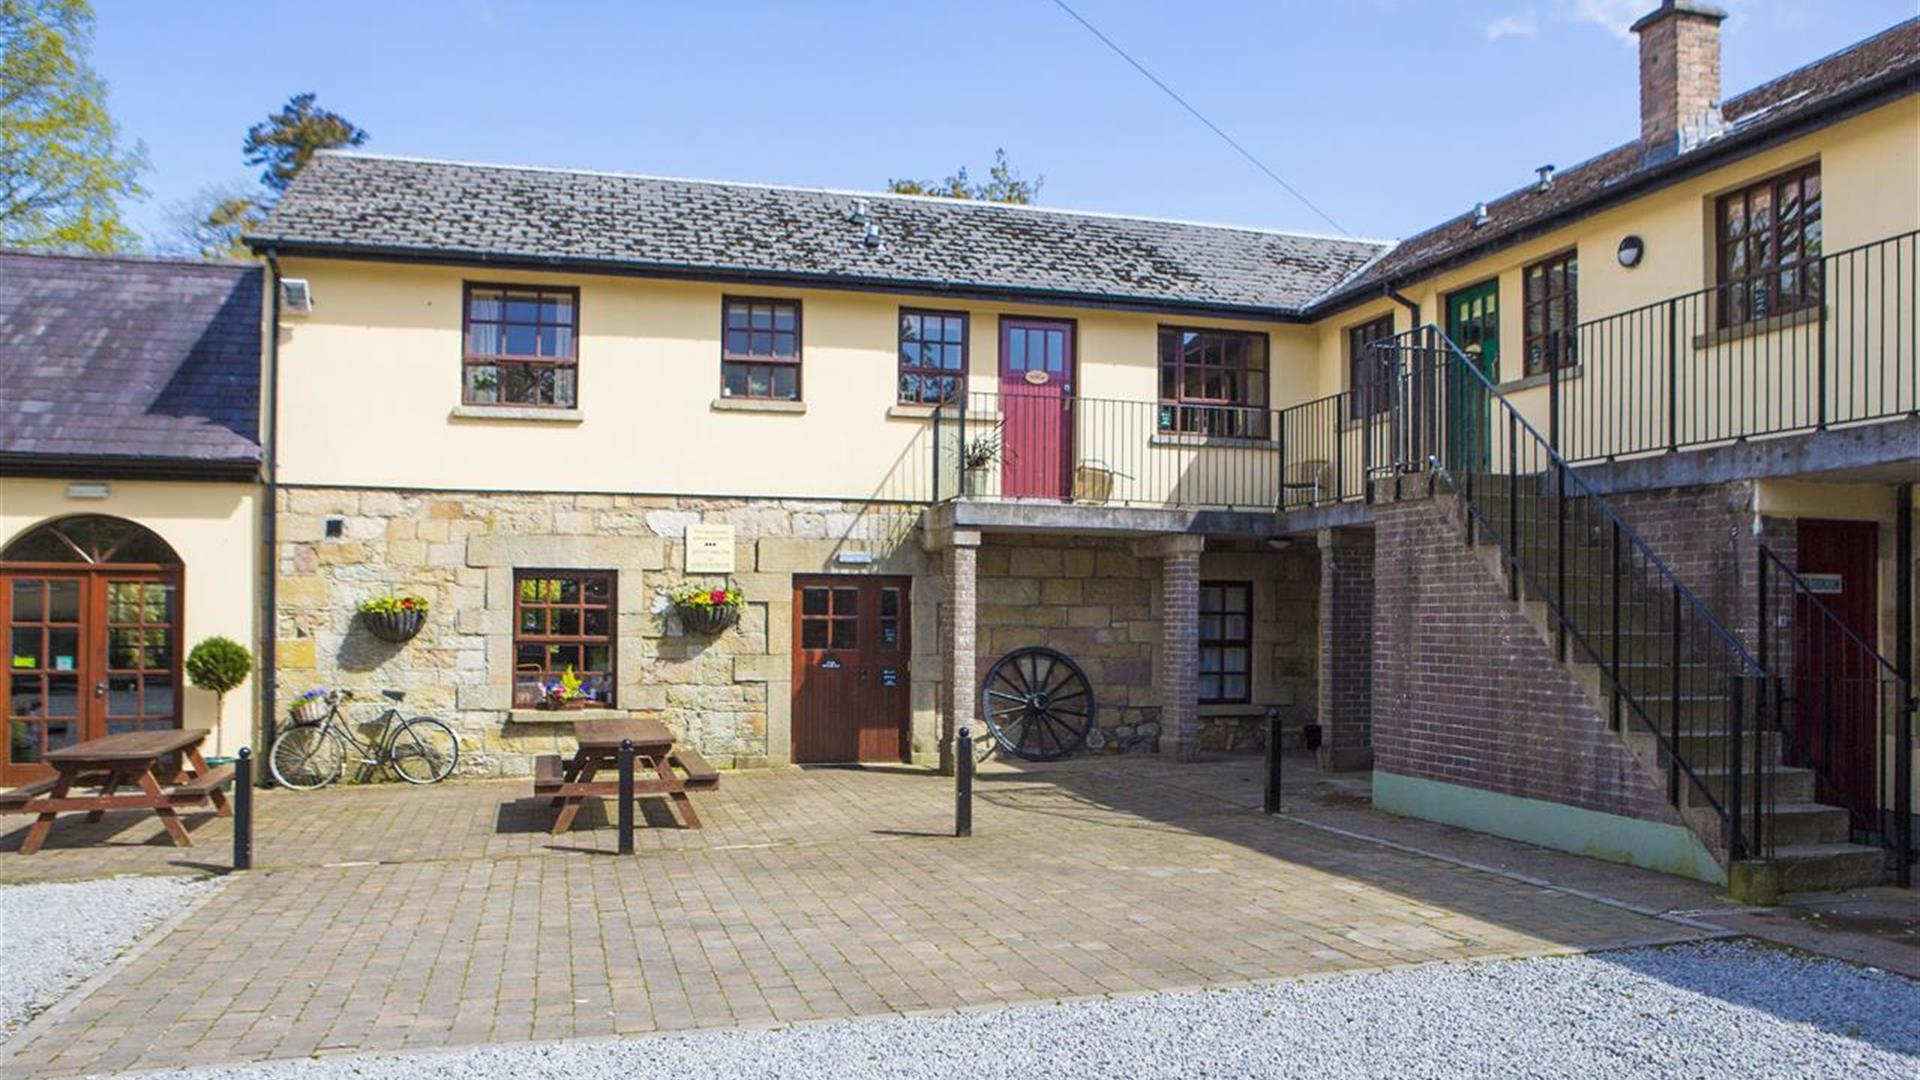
(395, 626)
(309, 711)
(708, 620)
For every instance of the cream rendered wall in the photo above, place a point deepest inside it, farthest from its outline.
(369, 383)
(214, 528)
(1870, 183)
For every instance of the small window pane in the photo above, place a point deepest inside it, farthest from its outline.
(846, 633)
(813, 634)
(813, 601)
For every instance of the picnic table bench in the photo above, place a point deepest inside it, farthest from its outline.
(674, 772)
(128, 760)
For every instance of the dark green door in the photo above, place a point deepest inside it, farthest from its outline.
(1473, 322)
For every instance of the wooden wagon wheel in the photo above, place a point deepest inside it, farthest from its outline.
(1038, 704)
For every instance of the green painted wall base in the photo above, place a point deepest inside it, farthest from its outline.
(1670, 849)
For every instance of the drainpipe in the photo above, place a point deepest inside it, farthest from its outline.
(270, 526)
(1412, 306)
(1903, 664)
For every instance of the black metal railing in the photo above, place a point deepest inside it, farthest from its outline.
(1828, 342)
(1845, 712)
(1668, 667)
(1045, 446)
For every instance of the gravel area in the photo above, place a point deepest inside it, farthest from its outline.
(1715, 1009)
(56, 935)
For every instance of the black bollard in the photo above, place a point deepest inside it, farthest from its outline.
(243, 810)
(1272, 802)
(963, 783)
(626, 796)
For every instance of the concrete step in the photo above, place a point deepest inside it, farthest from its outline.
(1829, 867)
(1805, 823)
(1791, 784)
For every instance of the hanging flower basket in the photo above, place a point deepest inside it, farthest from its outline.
(394, 618)
(704, 610)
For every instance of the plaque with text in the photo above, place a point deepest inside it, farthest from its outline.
(709, 549)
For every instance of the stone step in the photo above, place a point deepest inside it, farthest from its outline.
(1791, 784)
(1829, 867)
(1804, 823)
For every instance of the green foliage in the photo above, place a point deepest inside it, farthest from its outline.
(62, 170)
(387, 605)
(285, 141)
(219, 664)
(706, 596)
(1003, 185)
(210, 225)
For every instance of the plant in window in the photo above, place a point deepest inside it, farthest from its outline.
(395, 617)
(706, 609)
(564, 693)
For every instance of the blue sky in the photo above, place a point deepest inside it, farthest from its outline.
(1391, 115)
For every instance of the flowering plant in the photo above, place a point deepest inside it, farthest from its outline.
(560, 694)
(394, 604)
(702, 596)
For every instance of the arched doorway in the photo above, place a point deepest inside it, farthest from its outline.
(92, 608)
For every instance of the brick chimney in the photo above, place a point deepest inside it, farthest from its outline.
(1679, 72)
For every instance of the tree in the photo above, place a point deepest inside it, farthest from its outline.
(285, 141)
(218, 665)
(1003, 185)
(211, 223)
(62, 169)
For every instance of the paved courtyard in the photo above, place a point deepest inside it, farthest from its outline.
(391, 918)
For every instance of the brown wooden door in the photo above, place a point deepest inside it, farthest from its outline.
(850, 680)
(1835, 683)
(90, 653)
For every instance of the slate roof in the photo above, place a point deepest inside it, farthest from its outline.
(129, 358)
(1890, 57)
(345, 201)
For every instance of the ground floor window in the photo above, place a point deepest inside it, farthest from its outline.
(1226, 642)
(563, 638)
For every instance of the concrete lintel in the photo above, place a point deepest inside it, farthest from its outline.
(1085, 519)
(1159, 547)
(1343, 536)
(1310, 520)
(1883, 452)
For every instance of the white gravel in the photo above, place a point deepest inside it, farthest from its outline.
(1717, 1009)
(53, 936)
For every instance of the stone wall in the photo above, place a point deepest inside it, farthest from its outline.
(1099, 603)
(730, 695)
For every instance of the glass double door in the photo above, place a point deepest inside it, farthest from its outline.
(89, 653)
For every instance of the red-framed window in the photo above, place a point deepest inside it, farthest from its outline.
(1769, 238)
(1226, 642)
(1369, 370)
(933, 356)
(563, 621)
(1550, 299)
(1213, 382)
(760, 349)
(520, 345)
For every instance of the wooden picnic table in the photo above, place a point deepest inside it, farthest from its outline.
(675, 772)
(115, 762)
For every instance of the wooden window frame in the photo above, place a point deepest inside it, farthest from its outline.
(611, 639)
(921, 371)
(1363, 368)
(470, 359)
(1247, 415)
(1223, 643)
(1738, 286)
(1539, 351)
(729, 358)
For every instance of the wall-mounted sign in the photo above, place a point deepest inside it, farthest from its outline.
(889, 676)
(710, 549)
(1824, 584)
(1036, 377)
(853, 558)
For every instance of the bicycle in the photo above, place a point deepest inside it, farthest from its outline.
(313, 753)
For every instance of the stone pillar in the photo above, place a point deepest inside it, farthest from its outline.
(1179, 640)
(1346, 649)
(960, 555)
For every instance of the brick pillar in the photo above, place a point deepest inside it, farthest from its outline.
(1179, 640)
(1346, 649)
(958, 669)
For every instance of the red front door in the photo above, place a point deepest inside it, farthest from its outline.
(1835, 682)
(1036, 405)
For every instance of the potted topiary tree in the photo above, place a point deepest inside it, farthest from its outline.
(218, 665)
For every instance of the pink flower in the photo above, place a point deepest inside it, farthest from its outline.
(718, 596)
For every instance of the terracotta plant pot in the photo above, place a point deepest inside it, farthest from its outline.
(395, 626)
(708, 620)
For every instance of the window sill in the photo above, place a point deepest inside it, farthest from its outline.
(517, 414)
(564, 716)
(1230, 441)
(1757, 327)
(1541, 379)
(731, 404)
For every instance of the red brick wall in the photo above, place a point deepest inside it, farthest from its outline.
(1465, 691)
(1346, 648)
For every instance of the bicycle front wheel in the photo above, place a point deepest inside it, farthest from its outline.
(424, 751)
(306, 756)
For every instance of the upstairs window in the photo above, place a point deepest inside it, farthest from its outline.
(933, 356)
(760, 349)
(1769, 247)
(1226, 642)
(1550, 297)
(1213, 382)
(1369, 369)
(520, 346)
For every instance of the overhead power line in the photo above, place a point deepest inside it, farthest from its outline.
(1198, 115)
